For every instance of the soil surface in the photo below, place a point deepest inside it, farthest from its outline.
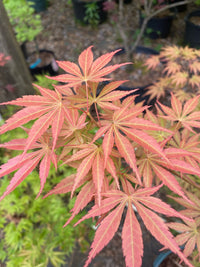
(67, 39)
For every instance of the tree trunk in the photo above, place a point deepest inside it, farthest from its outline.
(15, 78)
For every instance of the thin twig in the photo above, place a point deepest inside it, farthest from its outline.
(153, 14)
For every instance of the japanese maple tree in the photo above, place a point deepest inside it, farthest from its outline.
(123, 153)
(181, 72)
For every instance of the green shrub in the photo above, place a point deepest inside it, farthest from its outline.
(27, 25)
(31, 229)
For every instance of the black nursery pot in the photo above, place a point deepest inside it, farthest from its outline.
(192, 31)
(47, 66)
(125, 1)
(80, 8)
(160, 26)
(38, 5)
(180, 8)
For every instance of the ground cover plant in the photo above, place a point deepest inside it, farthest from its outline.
(27, 25)
(123, 153)
(32, 231)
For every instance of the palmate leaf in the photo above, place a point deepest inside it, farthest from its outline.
(49, 110)
(171, 52)
(151, 163)
(92, 159)
(131, 233)
(172, 67)
(194, 81)
(188, 144)
(189, 235)
(184, 96)
(184, 114)
(158, 89)
(192, 208)
(195, 67)
(103, 99)
(27, 162)
(152, 62)
(125, 121)
(77, 122)
(179, 78)
(88, 69)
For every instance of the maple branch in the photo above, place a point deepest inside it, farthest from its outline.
(166, 7)
(87, 96)
(187, 179)
(92, 119)
(96, 110)
(120, 28)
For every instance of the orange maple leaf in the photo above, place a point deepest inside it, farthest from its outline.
(179, 78)
(172, 67)
(49, 110)
(183, 114)
(26, 163)
(132, 243)
(152, 62)
(87, 70)
(188, 232)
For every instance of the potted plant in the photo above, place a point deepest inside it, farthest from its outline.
(150, 10)
(38, 5)
(180, 8)
(159, 25)
(89, 12)
(192, 29)
(27, 25)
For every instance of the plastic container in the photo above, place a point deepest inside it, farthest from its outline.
(180, 8)
(80, 7)
(192, 31)
(38, 5)
(159, 26)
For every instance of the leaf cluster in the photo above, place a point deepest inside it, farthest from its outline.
(32, 230)
(181, 73)
(92, 14)
(123, 154)
(27, 25)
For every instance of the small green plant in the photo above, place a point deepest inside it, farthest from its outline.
(43, 81)
(91, 14)
(32, 230)
(26, 24)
